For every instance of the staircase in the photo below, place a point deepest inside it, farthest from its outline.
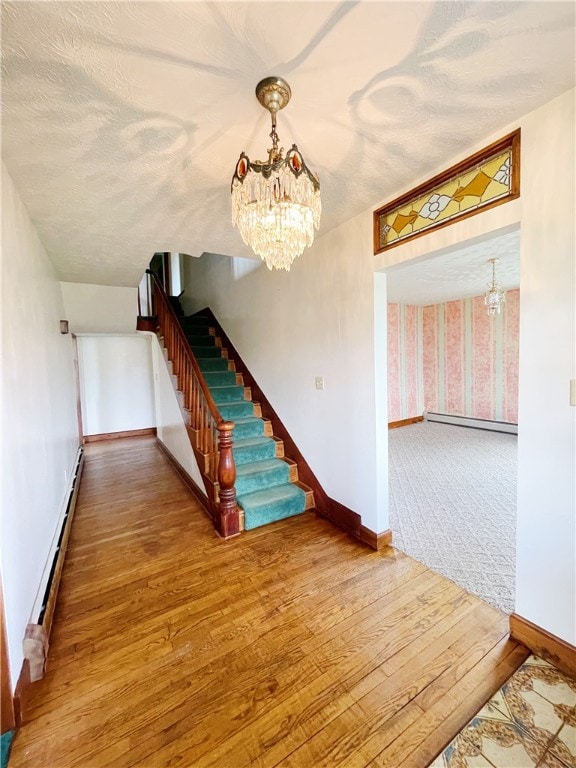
(267, 487)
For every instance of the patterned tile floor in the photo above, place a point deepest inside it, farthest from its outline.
(530, 722)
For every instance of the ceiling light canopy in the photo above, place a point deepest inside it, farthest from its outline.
(276, 203)
(494, 297)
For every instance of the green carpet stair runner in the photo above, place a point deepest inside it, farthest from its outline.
(263, 486)
(6, 746)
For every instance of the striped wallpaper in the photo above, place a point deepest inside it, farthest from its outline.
(452, 358)
(405, 362)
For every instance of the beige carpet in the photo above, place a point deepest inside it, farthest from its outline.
(453, 505)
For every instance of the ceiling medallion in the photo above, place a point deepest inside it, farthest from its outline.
(276, 203)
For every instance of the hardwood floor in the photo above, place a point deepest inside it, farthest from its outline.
(290, 645)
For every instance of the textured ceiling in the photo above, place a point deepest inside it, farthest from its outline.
(460, 273)
(122, 122)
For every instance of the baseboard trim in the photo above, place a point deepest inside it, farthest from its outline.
(119, 435)
(192, 486)
(544, 644)
(351, 522)
(374, 540)
(405, 422)
(340, 515)
(7, 718)
(22, 694)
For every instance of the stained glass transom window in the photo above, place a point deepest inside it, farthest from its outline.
(488, 178)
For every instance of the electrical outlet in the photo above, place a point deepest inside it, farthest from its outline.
(319, 381)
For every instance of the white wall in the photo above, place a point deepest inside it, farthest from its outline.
(380, 303)
(546, 515)
(546, 530)
(39, 424)
(319, 320)
(316, 320)
(116, 384)
(169, 421)
(100, 308)
(175, 273)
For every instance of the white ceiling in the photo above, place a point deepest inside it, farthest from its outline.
(457, 274)
(123, 121)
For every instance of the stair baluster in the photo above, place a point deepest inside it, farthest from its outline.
(213, 436)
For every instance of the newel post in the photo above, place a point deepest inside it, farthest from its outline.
(228, 525)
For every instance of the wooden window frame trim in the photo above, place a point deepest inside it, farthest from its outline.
(510, 141)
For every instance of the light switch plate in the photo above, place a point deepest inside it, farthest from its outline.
(319, 381)
(572, 391)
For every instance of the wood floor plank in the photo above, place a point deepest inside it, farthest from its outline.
(336, 673)
(421, 742)
(289, 645)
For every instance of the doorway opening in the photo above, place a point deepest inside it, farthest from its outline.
(452, 475)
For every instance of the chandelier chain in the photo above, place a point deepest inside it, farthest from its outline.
(495, 297)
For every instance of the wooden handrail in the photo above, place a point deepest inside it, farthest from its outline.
(164, 308)
(212, 435)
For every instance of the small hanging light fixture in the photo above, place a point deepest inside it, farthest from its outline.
(494, 297)
(276, 203)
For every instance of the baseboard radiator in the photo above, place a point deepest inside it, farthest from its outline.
(38, 630)
(466, 421)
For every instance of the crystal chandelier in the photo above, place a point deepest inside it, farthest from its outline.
(494, 297)
(276, 203)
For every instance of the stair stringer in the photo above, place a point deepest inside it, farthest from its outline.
(264, 491)
(189, 466)
(263, 409)
(317, 498)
